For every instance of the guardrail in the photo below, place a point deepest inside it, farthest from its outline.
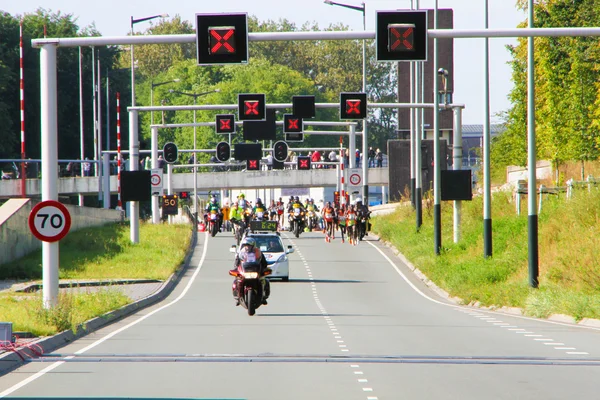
(554, 190)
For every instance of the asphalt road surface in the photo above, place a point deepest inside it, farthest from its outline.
(352, 323)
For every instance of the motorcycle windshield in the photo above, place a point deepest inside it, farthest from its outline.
(251, 266)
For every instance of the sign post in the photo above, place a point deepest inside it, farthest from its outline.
(49, 221)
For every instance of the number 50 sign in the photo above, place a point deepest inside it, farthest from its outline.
(49, 221)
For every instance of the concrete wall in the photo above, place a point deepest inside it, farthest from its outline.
(16, 240)
(516, 173)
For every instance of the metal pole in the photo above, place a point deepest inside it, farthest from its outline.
(95, 110)
(106, 179)
(195, 171)
(134, 162)
(119, 203)
(107, 111)
(418, 155)
(99, 91)
(151, 102)
(437, 208)
(531, 160)
(413, 111)
(487, 191)
(154, 155)
(132, 70)
(412, 135)
(457, 164)
(22, 107)
(365, 139)
(49, 166)
(81, 138)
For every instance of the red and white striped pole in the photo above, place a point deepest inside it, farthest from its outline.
(119, 205)
(22, 98)
(342, 186)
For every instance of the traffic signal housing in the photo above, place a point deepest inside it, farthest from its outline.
(353, 105)
(292, 124)
(280, 151)
(303, 106)
(225, 123)
(222, 38)
(252, 165)
(401, 35)
(184, 195)
(223, 151)
(251, 107)
(303, 163)
(170, 152)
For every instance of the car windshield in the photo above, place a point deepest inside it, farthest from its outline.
(270, 244)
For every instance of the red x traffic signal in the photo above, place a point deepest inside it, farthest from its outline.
(251, 107)
(353, 105)
(225, 123)
(252, 165)
(401, 35)
(222, 38)
(292, 124)
(303, 163)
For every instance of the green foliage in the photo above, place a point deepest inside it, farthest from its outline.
(569, 269)
(107, 252)
(566, 96)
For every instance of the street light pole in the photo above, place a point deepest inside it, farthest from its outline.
(134, 146)
(194, 168)
(365, 152)
(152, 86)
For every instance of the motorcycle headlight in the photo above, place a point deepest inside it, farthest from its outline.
(250, 275)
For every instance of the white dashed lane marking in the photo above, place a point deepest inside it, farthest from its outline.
(529, 334)
(341, 344)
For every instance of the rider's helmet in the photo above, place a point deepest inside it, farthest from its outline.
(258, 200)
(241, 196)
(358, 200)
(249, 243)
(213, 200)
(311, 200)
(291, 198)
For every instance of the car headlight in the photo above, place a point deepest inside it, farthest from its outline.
(282, 258)
(250, 275)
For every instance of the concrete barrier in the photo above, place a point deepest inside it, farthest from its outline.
(16, 240)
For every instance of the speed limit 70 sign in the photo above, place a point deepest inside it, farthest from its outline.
(49, 221)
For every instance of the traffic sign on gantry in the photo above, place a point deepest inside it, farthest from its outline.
(225, 123)
(353, 105)
(222, 38)
(401, 35)
(251, 107)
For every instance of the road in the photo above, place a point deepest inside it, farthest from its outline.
(352, 323)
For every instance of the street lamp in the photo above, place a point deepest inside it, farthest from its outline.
(195, 96)
(443, 94)
(365, 170)
(133, 22)
(152, 86)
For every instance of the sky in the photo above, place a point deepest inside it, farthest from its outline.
(112, 18)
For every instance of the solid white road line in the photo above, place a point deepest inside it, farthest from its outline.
(105, 338)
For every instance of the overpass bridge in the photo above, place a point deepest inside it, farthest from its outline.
(183, 182)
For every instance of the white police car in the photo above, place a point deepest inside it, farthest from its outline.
(271, 245)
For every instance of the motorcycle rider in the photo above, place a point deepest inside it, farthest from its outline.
(310, 206)
(213, 205)
(291, 210)
(236, 216)
(260, 211)
(248, 248)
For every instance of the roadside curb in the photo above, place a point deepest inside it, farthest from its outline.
(560, 318)
(9, 361)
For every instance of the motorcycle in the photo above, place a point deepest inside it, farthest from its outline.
(213, 222)
(296, 220)
(249, 283)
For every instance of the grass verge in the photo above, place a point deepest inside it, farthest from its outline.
(94, 253)
(569, 236)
